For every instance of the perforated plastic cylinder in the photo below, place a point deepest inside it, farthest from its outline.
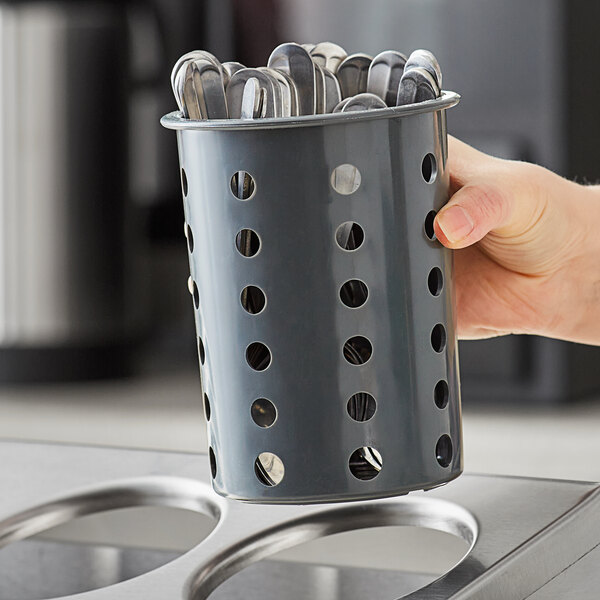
(324, 304)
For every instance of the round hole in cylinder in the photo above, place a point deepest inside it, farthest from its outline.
(365, 463)
(258, 356)
(358, 350)
(201, 352)
(242, 185)
(438, 338)
(247, 242)
(269, 469)
(435, 281)
(184, 182)
(443, 451)
(213, 462)
(253, 299)
(354, 293)
(193, 289)
(206, 407)
(196, 295)
(361, 406)
(189, 236)
(349, 236)
(441, 394)
(429, 168)
(345, 179)
(263, 412)
(428, 225)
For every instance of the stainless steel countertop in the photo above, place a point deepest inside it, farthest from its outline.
(529, 538)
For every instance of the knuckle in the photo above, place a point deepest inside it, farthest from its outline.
(489, 203)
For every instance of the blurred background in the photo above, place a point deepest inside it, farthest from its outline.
(97, 340)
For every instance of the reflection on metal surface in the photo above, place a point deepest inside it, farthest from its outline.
(269, 469)
(272, 580)
(382, 563)
(38, 570)
(98, 550)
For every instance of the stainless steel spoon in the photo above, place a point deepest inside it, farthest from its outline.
(365, 101)
(293, 92)
(253, 104)
(229, 68)
(283, 92)
(193, 55)
(319, 90)
(235, 91)
(179, 91)
(352, 74)
(277, 91)
(339, 107)
(384, 75)
(296, 62)
(333, 93)
(189, 98)
(426, 60)
(417, 85)
(328, 55)
(209, 90)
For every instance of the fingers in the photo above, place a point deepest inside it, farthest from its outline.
(475, 209)
(472, 213)
(485, 191)
(464, 163)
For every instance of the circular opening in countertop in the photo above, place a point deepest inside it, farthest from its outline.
(61, 551)
(398, 547)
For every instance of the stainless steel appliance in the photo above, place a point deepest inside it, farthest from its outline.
(68, 297)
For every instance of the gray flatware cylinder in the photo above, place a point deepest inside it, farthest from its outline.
(324, 304)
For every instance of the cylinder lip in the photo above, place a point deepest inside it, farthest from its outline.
(448, 99)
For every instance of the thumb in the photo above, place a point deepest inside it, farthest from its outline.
(472, 213)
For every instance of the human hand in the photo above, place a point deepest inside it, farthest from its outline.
(527, 254)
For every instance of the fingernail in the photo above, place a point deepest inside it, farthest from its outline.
(455, 223)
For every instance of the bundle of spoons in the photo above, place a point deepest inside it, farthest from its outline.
(307, 79)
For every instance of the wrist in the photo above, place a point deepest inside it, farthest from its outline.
(583, 270)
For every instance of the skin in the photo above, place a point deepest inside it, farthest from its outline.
(527, 254)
